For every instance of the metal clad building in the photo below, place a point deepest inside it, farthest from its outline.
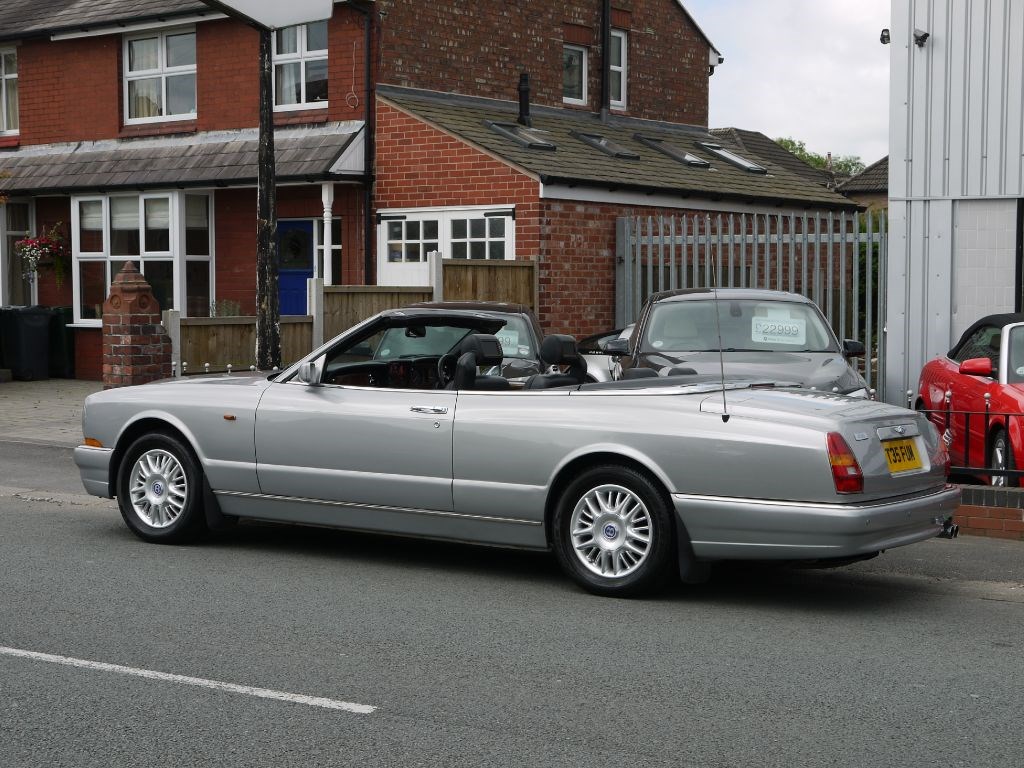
(956, 175)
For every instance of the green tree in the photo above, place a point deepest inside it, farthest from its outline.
(847, 165)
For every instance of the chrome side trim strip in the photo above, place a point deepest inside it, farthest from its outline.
(683, 497)
(377, 507)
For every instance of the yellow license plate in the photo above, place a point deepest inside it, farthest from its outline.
(901, 455)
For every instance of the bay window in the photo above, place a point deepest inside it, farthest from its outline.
(167, 234)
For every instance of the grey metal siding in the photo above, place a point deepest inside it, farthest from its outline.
(956, 133)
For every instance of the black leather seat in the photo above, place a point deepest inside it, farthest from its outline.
(559, 349)
(639, 373)
(479, 349)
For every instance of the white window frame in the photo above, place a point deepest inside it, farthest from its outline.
(162, 72)
(6, 78)
(302, 57)
(444, 218)
(582, 49)
(6, 278)
(620, 38)
(175, 253)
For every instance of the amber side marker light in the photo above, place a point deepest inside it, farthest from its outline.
(846, 472)
(92, 442)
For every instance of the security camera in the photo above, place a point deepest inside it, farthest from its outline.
(920, 38)
(884, 37)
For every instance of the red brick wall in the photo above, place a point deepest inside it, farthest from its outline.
(480, 48)
(419, 166)
(235, 212)
(52, 211)
(69, 90)
(235, 246)
(89, 354)
(994, 522)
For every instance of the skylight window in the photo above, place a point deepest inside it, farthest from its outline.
(731, 157)
(677, 154)
(532, 138)
(606, 145)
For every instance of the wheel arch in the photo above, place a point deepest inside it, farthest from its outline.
(148, 423)
(576, 465)
(151, 423)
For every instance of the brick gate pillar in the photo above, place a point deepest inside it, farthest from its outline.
(136, 348)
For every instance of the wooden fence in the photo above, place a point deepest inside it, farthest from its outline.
(346, 305)
(511, 281)
(203, 344)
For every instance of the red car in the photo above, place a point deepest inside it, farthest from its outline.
(984, 376)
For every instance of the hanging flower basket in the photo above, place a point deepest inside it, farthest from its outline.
(47, 250)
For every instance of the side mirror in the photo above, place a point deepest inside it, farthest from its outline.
(617, 347)
(976, 366)
(308, 374)
(852, 348)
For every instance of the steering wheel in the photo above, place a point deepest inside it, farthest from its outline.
(446, 368)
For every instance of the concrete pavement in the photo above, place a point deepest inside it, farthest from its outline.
(45, 412)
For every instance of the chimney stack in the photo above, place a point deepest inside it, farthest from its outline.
(524, 100)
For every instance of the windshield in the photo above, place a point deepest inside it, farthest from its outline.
(747, 325)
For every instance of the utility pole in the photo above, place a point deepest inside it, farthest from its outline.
(268, 309)
(266, 16)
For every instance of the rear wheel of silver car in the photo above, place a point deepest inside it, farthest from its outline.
(159, 490)
(613, 532)
(1002, 458)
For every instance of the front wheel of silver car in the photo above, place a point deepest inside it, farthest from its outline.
(159, 490)
(613, 532)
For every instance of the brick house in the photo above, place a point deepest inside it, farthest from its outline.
(398, 132)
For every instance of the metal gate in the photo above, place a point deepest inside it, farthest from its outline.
(837, 260)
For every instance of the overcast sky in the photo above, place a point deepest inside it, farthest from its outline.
(812, 70)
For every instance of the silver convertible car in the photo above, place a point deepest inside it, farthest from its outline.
(392, 428)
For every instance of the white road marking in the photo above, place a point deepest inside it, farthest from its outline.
(247, 690)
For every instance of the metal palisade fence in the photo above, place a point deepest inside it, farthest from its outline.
(836, 259)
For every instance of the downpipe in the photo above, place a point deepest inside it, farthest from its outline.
(950, 530)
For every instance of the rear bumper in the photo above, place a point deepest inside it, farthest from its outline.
(722, 528)
(94, 466)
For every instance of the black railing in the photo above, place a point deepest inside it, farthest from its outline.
(955, 427)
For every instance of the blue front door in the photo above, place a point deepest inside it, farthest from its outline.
(295, 248)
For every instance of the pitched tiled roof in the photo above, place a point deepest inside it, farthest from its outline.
(222, 159)
(760, 145)
(874, 178)
(22, 18)
(575, 162)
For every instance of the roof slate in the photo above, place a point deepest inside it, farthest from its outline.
(20, 18)
(574, 162)
(758, 144)
(112, 164)
(874, 178)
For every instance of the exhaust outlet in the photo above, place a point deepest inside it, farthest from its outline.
(950, 530)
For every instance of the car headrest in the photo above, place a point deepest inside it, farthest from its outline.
(485, 346)
(559, 349)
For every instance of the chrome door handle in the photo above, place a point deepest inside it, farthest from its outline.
(433, 409)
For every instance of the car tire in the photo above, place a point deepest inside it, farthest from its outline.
(613, 533)
(1001, 457)
(160, 490)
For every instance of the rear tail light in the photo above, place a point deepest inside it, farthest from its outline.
(846, 472)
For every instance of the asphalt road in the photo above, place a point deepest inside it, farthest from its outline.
(474, 657)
